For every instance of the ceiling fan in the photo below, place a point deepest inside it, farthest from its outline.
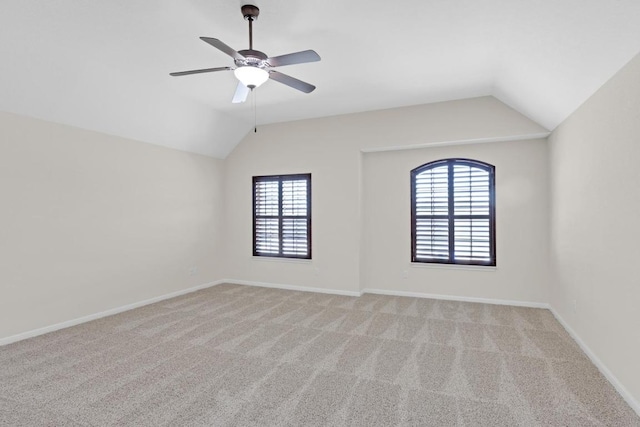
(252, 67)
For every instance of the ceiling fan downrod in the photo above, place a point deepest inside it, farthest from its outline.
(250, 13)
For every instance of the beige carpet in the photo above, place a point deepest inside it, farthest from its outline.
(241, 356)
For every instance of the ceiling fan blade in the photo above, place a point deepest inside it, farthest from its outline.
(241, 94)
(223, 47)
(291, 81)
(204, 70)
(294, 58)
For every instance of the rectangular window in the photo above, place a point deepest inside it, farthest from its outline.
(282, 216)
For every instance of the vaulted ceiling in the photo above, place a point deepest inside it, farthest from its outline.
(104, 65)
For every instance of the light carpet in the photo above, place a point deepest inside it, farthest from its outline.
(237, 355)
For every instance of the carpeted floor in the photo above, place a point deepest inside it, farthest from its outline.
(240, 356)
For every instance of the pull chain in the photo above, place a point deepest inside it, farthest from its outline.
(255, 120)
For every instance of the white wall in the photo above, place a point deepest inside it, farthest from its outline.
(91, 222)
(521, 224)
(595, 211)
(331, 149)
(298, 147)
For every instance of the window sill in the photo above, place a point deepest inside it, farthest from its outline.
(282, 259)
(485, 268)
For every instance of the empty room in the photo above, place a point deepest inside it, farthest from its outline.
(306, 213)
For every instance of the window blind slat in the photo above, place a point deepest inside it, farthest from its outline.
(432, 194)
(432, 238)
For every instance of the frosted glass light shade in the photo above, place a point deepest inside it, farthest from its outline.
(251, 77)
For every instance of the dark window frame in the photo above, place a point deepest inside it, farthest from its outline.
(280, 179)
(451, 213)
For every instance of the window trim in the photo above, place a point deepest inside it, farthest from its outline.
(280, 179)
(451, 214)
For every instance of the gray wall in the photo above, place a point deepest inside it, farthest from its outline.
(361, 220)
(521, 224)
(595, 207)
(91, 222)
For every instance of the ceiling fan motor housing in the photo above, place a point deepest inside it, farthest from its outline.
(252, 58)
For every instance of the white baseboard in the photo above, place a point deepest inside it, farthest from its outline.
(456, 298)
(293, 287)
(635, 405)
(79, 320)
(387, 292)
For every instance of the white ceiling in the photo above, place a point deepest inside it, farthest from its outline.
(104, 65)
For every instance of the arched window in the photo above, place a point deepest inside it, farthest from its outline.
(453, 213)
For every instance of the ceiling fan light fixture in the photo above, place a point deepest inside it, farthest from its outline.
(251, 76)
